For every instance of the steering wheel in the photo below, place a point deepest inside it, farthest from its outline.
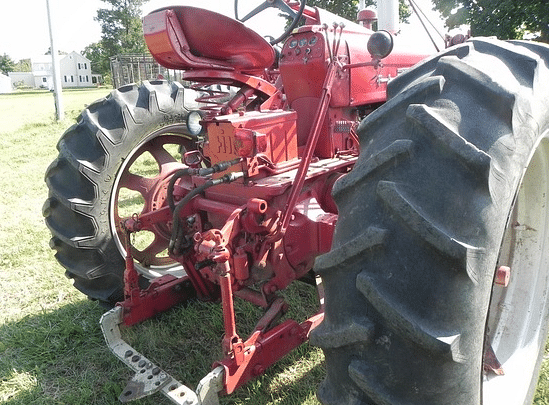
(282, 6)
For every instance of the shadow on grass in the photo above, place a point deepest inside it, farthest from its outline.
(60, 357)
(294, 380)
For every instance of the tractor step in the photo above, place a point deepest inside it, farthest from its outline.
(149, 378)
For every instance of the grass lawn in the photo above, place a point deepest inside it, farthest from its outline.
(51, 347)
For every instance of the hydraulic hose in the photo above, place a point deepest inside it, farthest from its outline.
(177, 175)
(177, 231)
(218, 167)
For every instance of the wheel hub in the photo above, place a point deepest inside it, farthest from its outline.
(141, 187)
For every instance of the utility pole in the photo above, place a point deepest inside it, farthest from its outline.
(57, 91)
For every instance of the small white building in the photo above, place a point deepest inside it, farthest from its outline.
(75, 72)
(42, 72)
(5, 84)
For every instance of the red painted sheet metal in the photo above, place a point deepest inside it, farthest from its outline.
(185, 37)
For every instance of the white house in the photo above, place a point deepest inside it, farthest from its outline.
(75, 72)
(42, 71)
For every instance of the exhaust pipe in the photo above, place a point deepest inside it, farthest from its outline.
(387, 15)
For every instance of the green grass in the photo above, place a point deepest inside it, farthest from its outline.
(51, 347)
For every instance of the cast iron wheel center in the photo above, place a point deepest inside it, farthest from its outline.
(141, 187)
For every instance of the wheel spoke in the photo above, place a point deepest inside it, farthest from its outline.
(148, 256)
(137, 183)
(160, 154)
(255, 11)
(282, 6)
(490, 362)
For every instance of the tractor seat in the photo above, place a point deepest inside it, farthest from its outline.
(184, 38)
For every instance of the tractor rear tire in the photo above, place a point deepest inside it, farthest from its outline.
(451, 184)
(84, 179)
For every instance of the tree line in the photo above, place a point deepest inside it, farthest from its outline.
(121, 27)
(121, 32)
(505, 19)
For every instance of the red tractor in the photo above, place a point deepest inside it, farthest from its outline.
(414, 197)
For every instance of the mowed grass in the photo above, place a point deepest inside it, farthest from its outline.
(51, 347)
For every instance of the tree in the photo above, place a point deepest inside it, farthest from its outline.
(348, 9)
(121, 32)
(24, 65)
(48, 52)
(505, 19)
(345, 9)
(121, 27)
(99, 60)
(536, 19)
(6, 64)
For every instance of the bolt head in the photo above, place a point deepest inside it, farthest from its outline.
(258, 369)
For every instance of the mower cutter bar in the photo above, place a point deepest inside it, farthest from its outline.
(149, 378)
